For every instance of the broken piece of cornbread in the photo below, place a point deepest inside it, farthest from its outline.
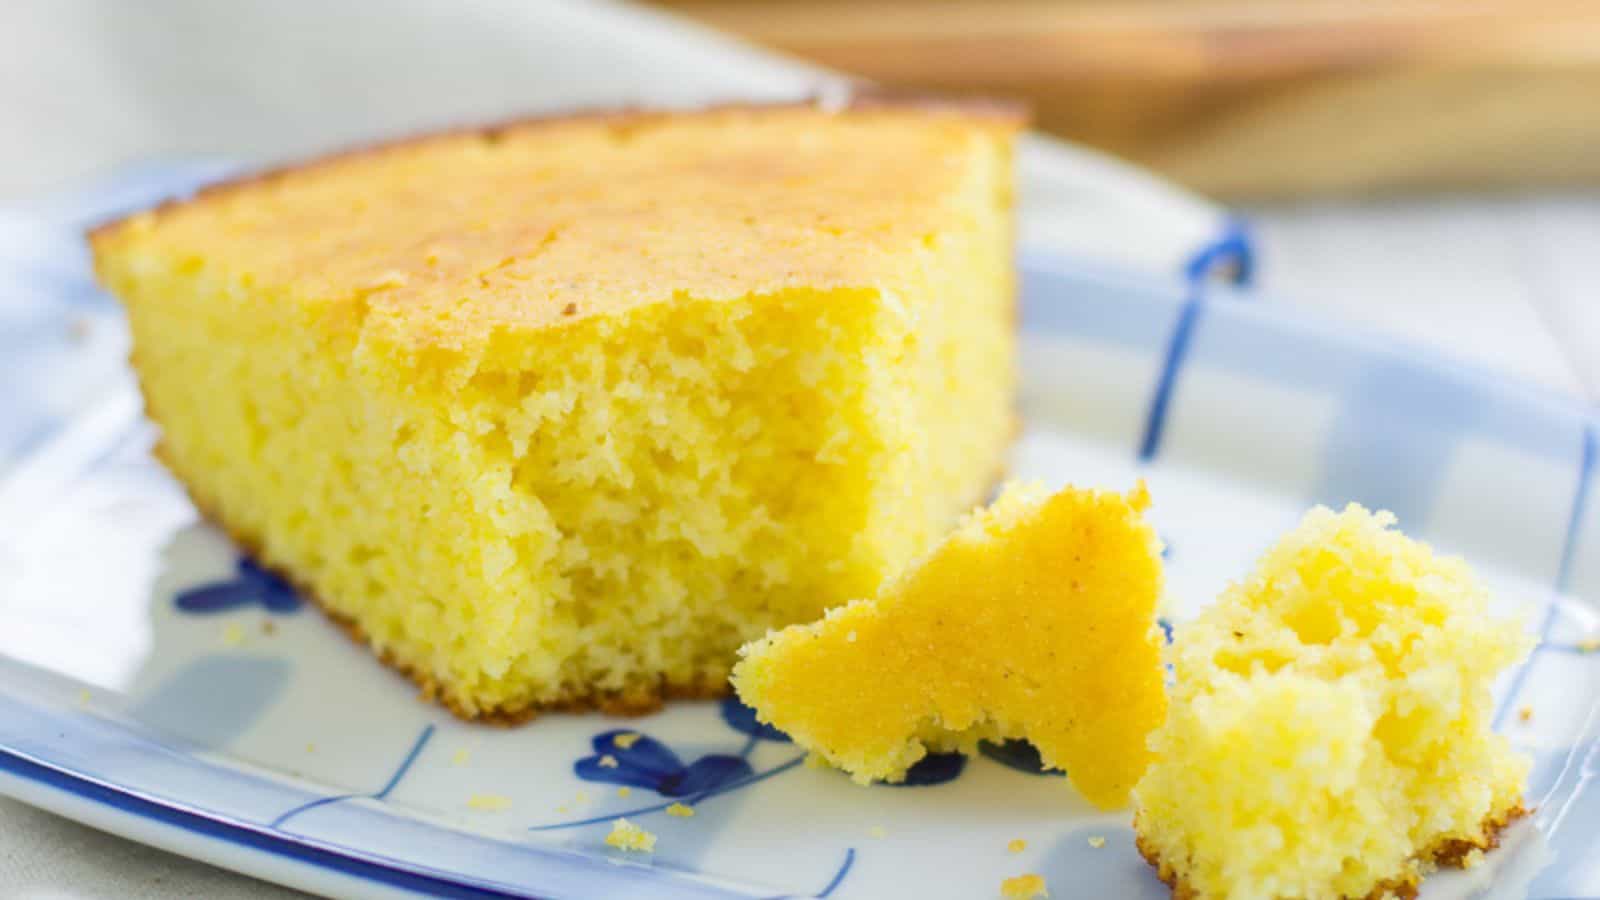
(1034, 620)
(1330, 729)
(558, 414)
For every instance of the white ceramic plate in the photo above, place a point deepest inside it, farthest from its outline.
(154, 684)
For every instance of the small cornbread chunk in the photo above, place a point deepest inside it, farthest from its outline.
(1330, 729)
(558, 414)
(1024, 887)
(629, 837)
(1034, 620)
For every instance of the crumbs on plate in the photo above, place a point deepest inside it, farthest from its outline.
(489, 802)
(1024, 887)
(629, 837)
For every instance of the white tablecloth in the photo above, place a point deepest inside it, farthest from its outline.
(87, 85)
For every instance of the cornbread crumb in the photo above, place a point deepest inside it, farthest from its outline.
(1330, 730)
(878, 831)
(268, 628)
(680, 810)
(461, 757)
(1473, 858)
(629, 837)
(83, 697)
(1097, 842)
(564, 809)
(489, 802)
(607, 761)
(1525, 714)
(232, 635)
(311, 748)
(626, 739)
(672, 380)
(1024, 887)
(1017, 845)
(581, 798)
(624, 791)
(1034, 620)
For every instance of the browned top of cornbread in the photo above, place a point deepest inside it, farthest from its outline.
(446, 239)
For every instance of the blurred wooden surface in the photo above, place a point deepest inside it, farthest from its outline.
(1271, 98)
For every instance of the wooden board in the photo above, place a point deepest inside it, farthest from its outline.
(1245, 100)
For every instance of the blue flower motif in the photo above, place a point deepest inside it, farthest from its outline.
(1019, 755)
(935, 768)
(647, 763)
(251, 584)
(742, 718)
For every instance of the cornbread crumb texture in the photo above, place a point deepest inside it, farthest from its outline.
(1096, 841)
(1330, 726)
(1017, 845)
(680, 810)
(629, 837)
(1035, 620)
(561, 416)
(624, 791)
(461, 757)
(1024, 887)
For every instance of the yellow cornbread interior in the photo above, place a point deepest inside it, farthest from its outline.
(1330, 726)
(1034, 620)
(563, 414)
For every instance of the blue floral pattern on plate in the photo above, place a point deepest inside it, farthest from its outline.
(250, 586)
(647, 763)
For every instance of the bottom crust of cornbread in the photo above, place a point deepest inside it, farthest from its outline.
(1451, 852)
(636, 700)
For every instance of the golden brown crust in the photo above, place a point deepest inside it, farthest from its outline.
(1449, 852)
(1003, 113)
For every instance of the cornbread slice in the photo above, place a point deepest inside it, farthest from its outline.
(1330, 728)
(1035, 620)
(561, 413)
